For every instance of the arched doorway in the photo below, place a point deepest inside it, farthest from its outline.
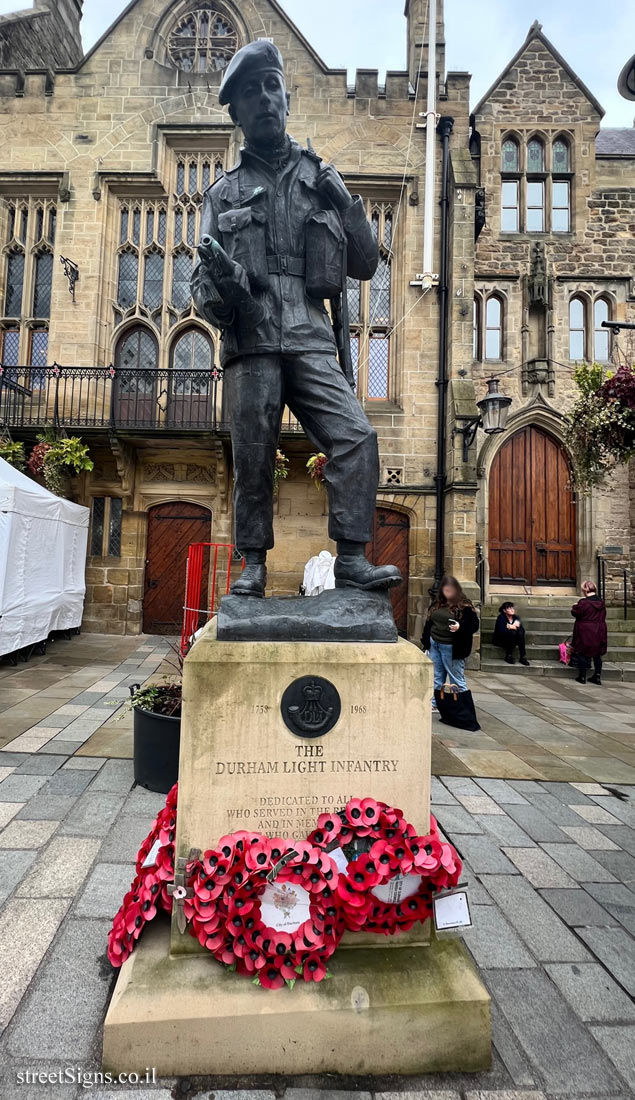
(390, 547)
(531, 512)
(172, 528)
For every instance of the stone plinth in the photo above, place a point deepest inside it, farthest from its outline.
(385, 1010)
(338, 615)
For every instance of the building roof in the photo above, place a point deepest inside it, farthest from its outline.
(616, 141)
(535, 32)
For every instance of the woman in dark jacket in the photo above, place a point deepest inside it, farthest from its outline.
(589, 633)
(509, 632)
(448, 633)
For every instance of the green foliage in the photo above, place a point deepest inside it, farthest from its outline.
(159, 699)
(601, 427)
(64, 458)
(13, 453)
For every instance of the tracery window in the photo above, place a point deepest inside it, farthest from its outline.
(536, 183)
(202, 41)
(370, 312)
(25, 297)
(157, 242)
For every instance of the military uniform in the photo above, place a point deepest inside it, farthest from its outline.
(268, 218)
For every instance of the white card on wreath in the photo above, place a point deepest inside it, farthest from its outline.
(284, 906)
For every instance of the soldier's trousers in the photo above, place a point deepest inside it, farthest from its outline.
(256, 390)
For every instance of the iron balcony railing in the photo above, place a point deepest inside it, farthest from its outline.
(116, 398)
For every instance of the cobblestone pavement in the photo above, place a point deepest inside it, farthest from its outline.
(551, 866)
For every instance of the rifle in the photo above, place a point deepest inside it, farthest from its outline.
(341, 331)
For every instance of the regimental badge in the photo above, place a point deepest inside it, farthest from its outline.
(311, 706)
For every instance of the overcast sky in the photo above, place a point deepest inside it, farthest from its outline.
(596, 39)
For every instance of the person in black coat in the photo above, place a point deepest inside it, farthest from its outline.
(590, 638)
(509, 632)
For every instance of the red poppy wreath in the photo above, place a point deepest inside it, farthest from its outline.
(267, 908)
(388, 874)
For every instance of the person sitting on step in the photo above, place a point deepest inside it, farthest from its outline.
(509, 632)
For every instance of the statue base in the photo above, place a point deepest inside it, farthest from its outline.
(337, 615)
(386, 1010)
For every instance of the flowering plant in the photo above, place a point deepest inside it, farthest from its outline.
(13, 453)
(38, 457)
(315, 466)
(280, 470)
(601, 427)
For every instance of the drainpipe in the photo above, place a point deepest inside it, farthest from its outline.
(444, 129)
(429, 278)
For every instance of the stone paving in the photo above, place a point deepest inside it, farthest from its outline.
(551, 867)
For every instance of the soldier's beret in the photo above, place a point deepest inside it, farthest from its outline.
(255, 55)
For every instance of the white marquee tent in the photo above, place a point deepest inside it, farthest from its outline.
(42, 561)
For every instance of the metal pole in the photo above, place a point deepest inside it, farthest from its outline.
(444, 129)
(429, 183)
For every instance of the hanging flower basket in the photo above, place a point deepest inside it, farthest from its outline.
(315, 466)
(601, 424)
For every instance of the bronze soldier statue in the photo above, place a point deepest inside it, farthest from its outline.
(280, 232)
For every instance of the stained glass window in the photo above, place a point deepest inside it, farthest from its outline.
(15, 282)
(204, 40)
(577, 329)
(509, 156)
(127, 279)
(42, 285)
(535, 156)
(560, 156)
(153, 280)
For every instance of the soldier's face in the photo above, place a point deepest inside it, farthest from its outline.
(261, 106)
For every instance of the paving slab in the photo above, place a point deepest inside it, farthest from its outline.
(504, 830)
(69, 781)
(596, 815)
(123, 841)
(8, 810)
(616, 950)
(577, 909)
(538, 867)
(484, 856)
(492, 941)
(579, 864)
(620, 835)
(27, 927)
(104, 890)
(508, 1050)
(454, 819)
(592, 840)
(546, 936)
(591, 992)
(619, 1044)
(439, 793)
(85, 763)
(143, 802)
(13, 867)
(116, 775)
(479, 804)
(27, 834)
(41, 763)
(93, 814)
(19, 788)
(619, 864)
(49, 807)
(534, 823)
(63, 1010)
(63, 748)
(61, 869)
(502, 792)
(554, 1038)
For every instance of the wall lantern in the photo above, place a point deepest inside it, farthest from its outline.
(494, 410)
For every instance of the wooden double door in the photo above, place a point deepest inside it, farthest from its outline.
(172, 527)
(531, 512)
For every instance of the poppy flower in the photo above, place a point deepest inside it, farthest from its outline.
(258, 856)
(271, 977)
(360, 878)
(286, 965)
(382, 853)
(371, 811)
(328, 827)
(355, 813)
(314, 970)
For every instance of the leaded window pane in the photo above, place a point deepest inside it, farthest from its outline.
(191, 227)
(127, 281)
(52, 224)
(38, 358)
(353, 295)
(204, 40)
(388, 228)
(10, 348)
(161, 233)
(123, 233)
(178, 227)
(153, 280)
(180, 178)
(192, 177)
(136, 226)
(374, 221)
(114, 528)
(509, 156)
(150, 227)
(15, 282)
(11, 225)
(378, 366)
(380, 293)
(42, 287)
(24, 217)
(191, 364)
(535, 156)
(181, 277)
(206, 174)
(97, 526)
(218, 170)
(560, 156)
(39, 224)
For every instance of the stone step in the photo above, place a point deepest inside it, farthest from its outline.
(618, 627)
(547, 652)
(554, 668)
(547, 611)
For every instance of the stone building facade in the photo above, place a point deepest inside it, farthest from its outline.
(110, 155)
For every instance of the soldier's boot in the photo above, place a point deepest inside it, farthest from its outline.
(253, 578)
(353, 570)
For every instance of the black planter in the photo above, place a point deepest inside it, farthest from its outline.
(156, 750)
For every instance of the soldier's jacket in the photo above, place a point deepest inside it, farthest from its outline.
(263, 219)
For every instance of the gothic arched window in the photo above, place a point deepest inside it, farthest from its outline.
(494, 328)
(601, 336)
(577, 329)
(202, 41)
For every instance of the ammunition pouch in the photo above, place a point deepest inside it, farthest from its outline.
(243, 237)
(325, 254)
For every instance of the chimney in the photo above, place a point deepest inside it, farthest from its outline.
(416, 13)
